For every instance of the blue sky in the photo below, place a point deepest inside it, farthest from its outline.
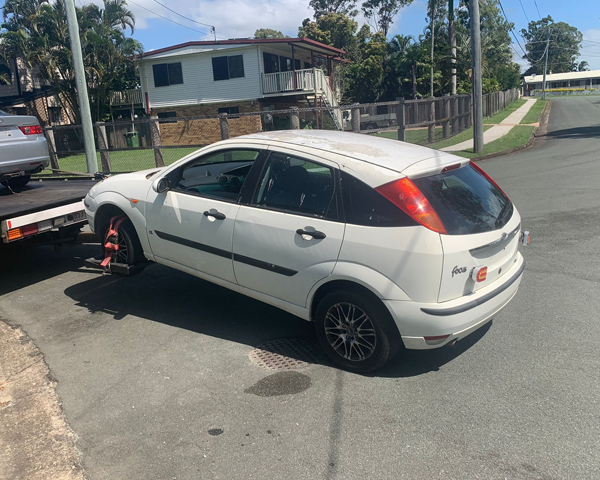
(240, 18)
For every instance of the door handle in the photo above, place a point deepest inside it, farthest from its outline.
(314, 234)
(215, 215)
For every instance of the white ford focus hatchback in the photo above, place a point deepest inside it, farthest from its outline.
(382, 244)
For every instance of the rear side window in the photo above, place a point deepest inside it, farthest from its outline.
(364, 206)
(466, 201)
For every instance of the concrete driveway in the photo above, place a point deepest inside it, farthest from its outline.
(156, 381)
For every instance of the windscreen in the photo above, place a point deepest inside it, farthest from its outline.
(466, 201)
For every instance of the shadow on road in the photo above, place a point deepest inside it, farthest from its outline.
(160, 294)
(164, 295)
(24, 265)
(579, 132)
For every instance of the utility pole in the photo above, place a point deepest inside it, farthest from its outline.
(546, 65)
(82, 93)
(476, 77)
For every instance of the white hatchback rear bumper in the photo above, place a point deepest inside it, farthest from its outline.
(457, 318)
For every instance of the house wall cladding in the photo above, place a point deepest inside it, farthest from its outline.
(206, 131)
(198, 84)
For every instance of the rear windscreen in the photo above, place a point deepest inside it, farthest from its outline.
(465, 201)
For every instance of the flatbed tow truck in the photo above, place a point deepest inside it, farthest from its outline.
(43, 212)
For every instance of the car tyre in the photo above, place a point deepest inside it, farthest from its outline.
(130, 249)
(356, 331)
(18, 182)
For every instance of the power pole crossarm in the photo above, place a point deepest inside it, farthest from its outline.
(82, 93)
(476, 77)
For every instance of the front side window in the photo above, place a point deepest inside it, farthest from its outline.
(219, 174)
(166, 74)
(293, 184)
(225, 68)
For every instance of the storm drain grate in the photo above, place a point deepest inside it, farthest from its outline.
(286, 354)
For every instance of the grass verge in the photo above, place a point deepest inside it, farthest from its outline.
(506, 112)
(517, 137)
(533, 115)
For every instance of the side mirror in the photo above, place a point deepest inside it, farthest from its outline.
(161, 185)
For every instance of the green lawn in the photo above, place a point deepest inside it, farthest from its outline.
(461, 137)
(418, 136)
(125, 160)
(518, 136)
(534, 113)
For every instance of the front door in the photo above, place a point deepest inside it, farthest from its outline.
(289, 237)
(192, 223)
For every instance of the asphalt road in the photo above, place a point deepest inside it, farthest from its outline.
(155, 378)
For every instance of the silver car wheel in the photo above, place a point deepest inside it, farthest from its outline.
(350, 332)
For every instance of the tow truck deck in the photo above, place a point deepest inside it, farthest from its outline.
(50, 211)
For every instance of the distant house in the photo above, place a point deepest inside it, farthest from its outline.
(571, 80)
(25, 94)
(235, 76)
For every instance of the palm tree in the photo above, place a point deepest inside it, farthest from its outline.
(37, 32)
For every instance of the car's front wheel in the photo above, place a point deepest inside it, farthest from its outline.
(129, 251)
(356, 331)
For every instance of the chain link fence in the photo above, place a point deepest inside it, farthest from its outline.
(126, 146)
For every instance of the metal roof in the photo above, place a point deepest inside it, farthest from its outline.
(306, 42)
(557, 77)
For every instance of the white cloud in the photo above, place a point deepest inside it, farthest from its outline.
(232, 18)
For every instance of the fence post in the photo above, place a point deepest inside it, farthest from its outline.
(355, 118)
(431, 126)
(103, 146)
(400, 119)
(454, 114)
(224, 126)
(469, 112)
(447, 115)
(49, 134)
(294, 119)
(156, 142)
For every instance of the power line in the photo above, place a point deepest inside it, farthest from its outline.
(183, 16)
(512, 29)
(524, 12)
(166, 18)
(538, 10)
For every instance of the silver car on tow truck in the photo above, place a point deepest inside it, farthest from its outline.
(23, 149)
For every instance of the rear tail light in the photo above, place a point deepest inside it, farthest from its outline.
(479, 170)
(31, 130)
(405, 195)
(30, 229)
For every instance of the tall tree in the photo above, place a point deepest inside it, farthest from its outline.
(452, 42)
(335, 29)
(268, 33)
(564, 47)
(323, 7)
(382, 12)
